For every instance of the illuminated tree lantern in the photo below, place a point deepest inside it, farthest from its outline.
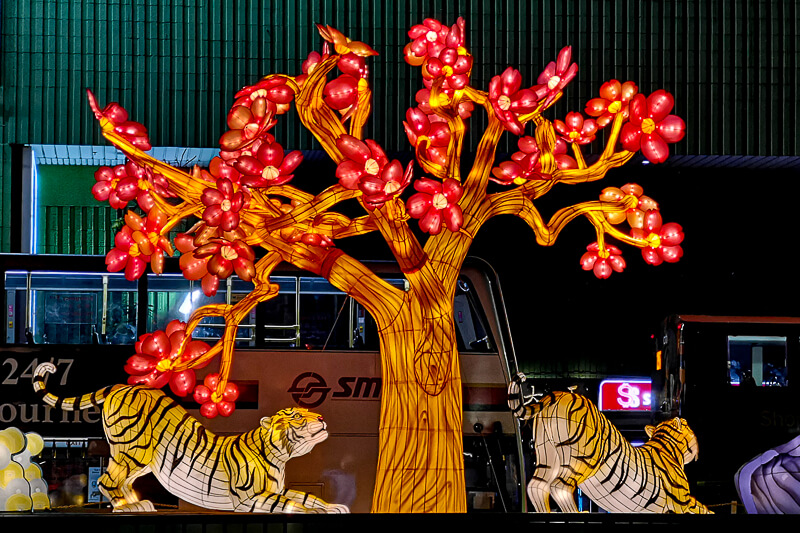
(246, 204)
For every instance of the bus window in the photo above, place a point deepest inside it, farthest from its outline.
(328, 319)
(758, 361)
(173, 297)
(471, 330)
(70, 307)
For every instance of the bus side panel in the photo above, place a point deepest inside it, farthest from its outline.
(345, 388)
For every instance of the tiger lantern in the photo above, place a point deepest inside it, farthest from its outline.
(577, 446)
(149, 432)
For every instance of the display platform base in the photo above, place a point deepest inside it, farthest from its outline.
(177, 521)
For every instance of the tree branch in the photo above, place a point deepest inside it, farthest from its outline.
(391, 221)
(315, 114)
(181, 183)
(448, 110)
(233, 315)
(318, 205)
(608, 159)
(363, 108)
(515, 203)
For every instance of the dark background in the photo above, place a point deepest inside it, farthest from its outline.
(739, 259)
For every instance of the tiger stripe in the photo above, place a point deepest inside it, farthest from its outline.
(150, 432)
(577, 446)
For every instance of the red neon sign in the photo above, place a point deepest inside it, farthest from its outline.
(625, 395)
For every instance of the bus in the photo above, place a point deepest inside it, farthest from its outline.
(311, 346)
(733, 379)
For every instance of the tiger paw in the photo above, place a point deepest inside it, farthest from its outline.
(335, 508)
(144, 506)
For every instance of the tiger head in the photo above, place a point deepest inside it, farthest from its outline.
(676, 434)
(295, 430)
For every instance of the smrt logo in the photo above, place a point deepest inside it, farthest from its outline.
(309, 389)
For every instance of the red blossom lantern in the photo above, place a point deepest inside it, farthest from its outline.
(509, 101)
(614, 98)
(157, 352)
(436, 204)
(556, 75)
(651, 126)
(364, 159)
(603, 262)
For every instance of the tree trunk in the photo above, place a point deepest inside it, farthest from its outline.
(420, 457)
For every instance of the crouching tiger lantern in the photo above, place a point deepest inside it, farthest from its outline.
(252, 214)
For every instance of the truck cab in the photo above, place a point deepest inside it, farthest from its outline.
(732, 378)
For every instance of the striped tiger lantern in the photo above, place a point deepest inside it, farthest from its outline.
(149, 432)
(578, 447)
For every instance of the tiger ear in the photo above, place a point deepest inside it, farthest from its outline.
(266, 422)
(649, 430)
(679, 424)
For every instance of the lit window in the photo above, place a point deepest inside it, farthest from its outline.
(757, 361)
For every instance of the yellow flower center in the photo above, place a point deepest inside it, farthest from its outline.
(504, 102)
(225, 205)
(391, 187)
(615, 106)
(553, 82)
(574, 134)
(372, 167)
(227, 252)
(603, 253)
(648, 126)
(143, 185)
(447, 70)
(270, 172)
(153, 237)
(133, 251)
(439, 201)
(441, 99)
(164, 365)
(653, 240)
(519, 180)
(431, 36)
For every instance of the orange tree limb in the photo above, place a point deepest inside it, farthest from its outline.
(448, 110)
(449, 248)
(391, 220)
(608, 159)
(341, 270)
(362, 111)
(515, 203)
(308, 211)
(315, 115)
(434, 169)
(233, 314)
(602, 224)
(478, 177)
(180, 182)
(356, 226)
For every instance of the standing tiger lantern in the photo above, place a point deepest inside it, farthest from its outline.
(578, 447)
(149, 432)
